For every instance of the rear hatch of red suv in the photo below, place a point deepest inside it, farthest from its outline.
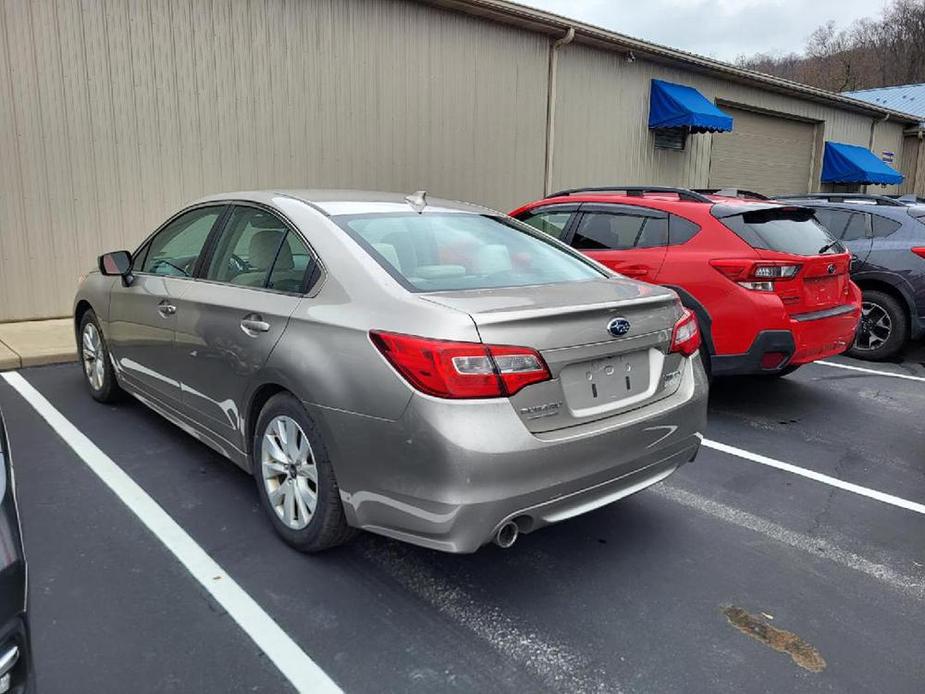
(800, 262)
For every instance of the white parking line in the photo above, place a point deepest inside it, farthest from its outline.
(870, 371)
(304, 674)
(909, 584)
(817, 476)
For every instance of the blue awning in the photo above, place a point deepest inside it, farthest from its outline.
(853, 164)
(678, 106)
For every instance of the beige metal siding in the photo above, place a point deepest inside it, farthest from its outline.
(113, 114)
(602, 116)
(765, 153)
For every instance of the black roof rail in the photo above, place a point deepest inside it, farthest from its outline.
(845, 197)
(909, 199)
(732, 193)
(682, 193)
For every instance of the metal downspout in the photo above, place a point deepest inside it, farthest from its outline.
(873, 129)
(551, 105)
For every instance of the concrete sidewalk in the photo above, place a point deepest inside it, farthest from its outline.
(31, 343)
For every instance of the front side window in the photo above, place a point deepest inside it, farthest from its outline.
(549, 222)
(253, 244)
(175, 249)
(609, 231)
(455, 251)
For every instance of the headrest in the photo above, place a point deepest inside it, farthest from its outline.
(263, 251)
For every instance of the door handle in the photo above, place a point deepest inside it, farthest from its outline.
(252, 326)
(165, 308)
(631, 270)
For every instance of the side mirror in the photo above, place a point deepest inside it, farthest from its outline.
(117, 263)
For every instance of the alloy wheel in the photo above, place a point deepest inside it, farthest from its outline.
(290, 476)
(875, 327)
(94, 356)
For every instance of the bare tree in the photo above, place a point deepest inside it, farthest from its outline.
(868, 53)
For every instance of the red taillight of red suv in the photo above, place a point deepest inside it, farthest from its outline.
(460, 370)
(685, 338)
(758, 275)
(919, 252)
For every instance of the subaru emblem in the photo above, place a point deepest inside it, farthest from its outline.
(618, 327)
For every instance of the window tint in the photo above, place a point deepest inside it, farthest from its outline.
(845, 225)
(857, 228)
(175, 249)
(291, 266)
(883, 226)
(247, 248)
(787, 230)
(447, 251)
(681, 230)
(605, 230)
(833, 220)
(550, 222)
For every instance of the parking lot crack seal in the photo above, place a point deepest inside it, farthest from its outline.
(802, 653)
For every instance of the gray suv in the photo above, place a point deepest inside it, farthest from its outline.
(424, 369)
(886, 234)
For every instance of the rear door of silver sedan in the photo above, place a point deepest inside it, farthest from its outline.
(233, 315)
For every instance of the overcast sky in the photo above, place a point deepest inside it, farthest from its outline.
(721, 29)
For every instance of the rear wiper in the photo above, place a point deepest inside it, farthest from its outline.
(828, 246)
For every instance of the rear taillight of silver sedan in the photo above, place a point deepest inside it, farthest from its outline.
(461, 370)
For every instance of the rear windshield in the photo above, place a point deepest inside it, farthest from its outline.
(434, 252)
(787, 230)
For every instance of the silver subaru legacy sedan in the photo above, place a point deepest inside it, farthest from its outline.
(424, 369)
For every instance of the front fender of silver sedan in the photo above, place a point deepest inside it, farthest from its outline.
(93, 292)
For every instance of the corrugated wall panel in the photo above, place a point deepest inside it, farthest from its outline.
(113, 114)
(602, 131)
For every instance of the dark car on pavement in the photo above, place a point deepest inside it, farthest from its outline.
(887, 237)
(15, 665)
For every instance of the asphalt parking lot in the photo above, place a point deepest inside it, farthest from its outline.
(827, 556)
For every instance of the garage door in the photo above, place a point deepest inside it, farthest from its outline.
(767, 154)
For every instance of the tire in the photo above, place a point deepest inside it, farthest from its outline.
(93, 352)
(292, 471)
(883, 330)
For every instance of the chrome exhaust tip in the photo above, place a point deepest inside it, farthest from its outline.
(507, 535)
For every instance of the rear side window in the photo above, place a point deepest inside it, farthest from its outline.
(552, 222)
(257, 249)
(787, 230)
(681, 230)
(883, 226)
(453, 251)
(612, 231)
(845, 225)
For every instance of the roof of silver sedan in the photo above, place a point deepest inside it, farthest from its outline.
(337, 202)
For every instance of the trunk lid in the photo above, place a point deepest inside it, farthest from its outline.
(595, 374)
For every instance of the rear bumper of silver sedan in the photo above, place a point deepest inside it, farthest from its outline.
(449, 475)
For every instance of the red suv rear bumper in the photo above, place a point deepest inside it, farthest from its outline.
(811, 336)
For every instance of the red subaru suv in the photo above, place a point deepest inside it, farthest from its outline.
(768, 284)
